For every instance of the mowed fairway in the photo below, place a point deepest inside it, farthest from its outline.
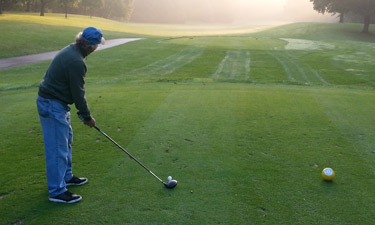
(245, 123)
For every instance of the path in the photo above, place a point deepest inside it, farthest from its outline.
(27, 59)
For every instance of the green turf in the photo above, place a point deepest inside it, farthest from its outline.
(245, 126)
(23, 38)
(26, 33)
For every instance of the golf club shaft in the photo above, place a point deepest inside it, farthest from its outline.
(126, 152)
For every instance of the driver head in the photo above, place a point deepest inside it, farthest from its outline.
(171, 184)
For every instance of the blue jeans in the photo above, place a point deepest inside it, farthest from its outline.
(58, 137)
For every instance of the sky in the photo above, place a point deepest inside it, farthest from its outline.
(278, 2)
(226, 11)
(287, 10)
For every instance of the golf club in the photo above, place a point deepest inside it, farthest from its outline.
(170, 184)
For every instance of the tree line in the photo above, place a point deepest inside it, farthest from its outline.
(364, 8)
(111, 9)
(123, 9)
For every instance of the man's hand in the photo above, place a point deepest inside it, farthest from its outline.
(91, 123)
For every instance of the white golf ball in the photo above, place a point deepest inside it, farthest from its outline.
(169, 178)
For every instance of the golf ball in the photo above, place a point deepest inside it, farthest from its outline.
(169, 178)
(328, 174)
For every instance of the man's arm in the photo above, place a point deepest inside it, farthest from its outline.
(77, 74)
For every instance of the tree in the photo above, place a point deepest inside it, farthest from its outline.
(89, 5)
(43, 5)
(117, 9)
(69, 4)
(365, 8)
(129, 8)
(6, 4)
(27, 4)
(1, 6)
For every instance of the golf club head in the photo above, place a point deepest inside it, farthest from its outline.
(171, 184)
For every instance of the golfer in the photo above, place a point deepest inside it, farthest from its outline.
(62, 85)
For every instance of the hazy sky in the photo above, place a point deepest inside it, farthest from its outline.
(225, 11)
(280, 2)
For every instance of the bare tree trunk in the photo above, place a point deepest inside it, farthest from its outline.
(341, 17)
(366, 24)
(42, 7)
(66, 12)
(1, 8)
(28, 7)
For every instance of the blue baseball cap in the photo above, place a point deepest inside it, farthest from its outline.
(93, 35)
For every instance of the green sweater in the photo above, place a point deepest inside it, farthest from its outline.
(65, 79)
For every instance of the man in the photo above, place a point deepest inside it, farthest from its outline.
(62, 85)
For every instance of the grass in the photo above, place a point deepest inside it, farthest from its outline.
(28, 37)
(20, 30)
(245, 125)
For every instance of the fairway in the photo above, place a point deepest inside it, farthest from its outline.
(245, 122)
